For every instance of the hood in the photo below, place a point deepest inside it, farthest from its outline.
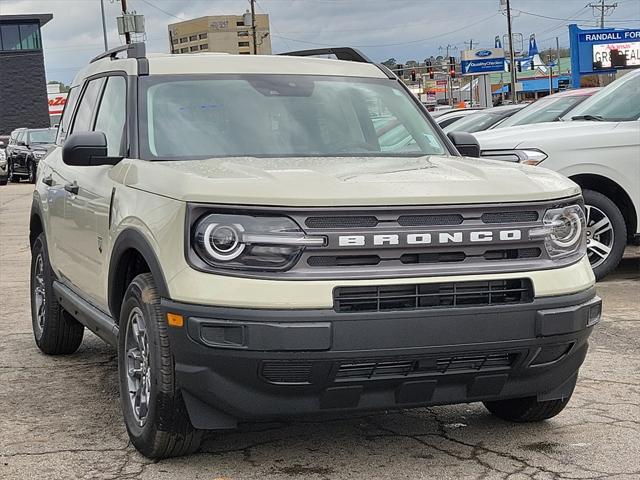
(323, 181)
(45, 147)
(540, 134)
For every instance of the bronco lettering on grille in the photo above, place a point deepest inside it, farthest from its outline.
(430, 238)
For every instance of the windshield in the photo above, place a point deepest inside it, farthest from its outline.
(543, 110)
(281, 115)
(45, 135)
(617, 102)
(475, 122)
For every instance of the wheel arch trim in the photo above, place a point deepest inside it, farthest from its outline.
(132, 239)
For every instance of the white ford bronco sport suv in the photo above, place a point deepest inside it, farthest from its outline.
(258, 239)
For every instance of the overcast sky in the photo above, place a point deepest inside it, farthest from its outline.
(403, 29)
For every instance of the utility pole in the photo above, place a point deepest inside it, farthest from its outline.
(253, 26)
(558, 57)
(104, 26)
(470, 43)
(127, 35)
(449, 85)
(605, 9)
(512, 62)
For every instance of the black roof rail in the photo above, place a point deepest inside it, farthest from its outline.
(134, 50)
(341, 53)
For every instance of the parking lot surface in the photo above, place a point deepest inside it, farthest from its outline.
(61, 415)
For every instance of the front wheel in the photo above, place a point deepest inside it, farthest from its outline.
(606, 233)
(11, 173)
(152, 405)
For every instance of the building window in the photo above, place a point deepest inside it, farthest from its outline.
(174, 40)
(184, 50)
(244, 53)
(240, 23)
(243, 33)
(20, 36)
(202, 36)
(183, 40)
(243, 44)
(194, 48)
(204, 46)
(193, 38)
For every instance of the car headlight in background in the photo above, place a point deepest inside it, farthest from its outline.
(564, 231)
(528, 156)
(39, 154)
(248, 242)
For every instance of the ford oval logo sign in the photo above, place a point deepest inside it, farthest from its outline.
(483, 53)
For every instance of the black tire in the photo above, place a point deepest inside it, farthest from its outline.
(55, 331)
(3, 181)
(11, 173)
(165, 431)
(528, 409)
(523, 410)
(603, 205)
(32, 170)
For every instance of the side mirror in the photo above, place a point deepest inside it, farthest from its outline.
(465, 143)
(87, 149)
(21, 143)
(2, 144)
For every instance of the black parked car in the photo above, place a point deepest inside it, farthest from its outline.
(26, 147)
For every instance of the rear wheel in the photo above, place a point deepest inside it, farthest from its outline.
(606, 233)
(56, 332)
(32, 170)
(152, 405)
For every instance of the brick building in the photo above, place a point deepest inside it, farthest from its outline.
(23, 85)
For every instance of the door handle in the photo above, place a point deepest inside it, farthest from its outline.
(48, 180)
(71, 188)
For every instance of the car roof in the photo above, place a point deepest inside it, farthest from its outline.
(222, 63)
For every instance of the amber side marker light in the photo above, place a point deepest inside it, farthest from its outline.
(175, 320)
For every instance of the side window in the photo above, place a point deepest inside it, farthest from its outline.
(112, 114)
(20, 137)
(65, 121)
(82, 123)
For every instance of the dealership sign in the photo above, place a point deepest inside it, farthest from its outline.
(485, 60)
(602, 50)
(616, 55)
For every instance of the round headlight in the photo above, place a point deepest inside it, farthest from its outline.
(222, 242)
(567, 229)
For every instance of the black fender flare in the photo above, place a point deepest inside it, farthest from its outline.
(133, 239)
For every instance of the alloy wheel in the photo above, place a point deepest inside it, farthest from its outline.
(39, 295)
(138, 367)
(600, 236)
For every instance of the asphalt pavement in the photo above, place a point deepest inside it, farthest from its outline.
(60, 416)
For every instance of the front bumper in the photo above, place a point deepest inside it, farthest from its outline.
(247, 364)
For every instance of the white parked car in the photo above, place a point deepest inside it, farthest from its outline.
(598, 147)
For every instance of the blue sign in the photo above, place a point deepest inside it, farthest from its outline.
(471, 67)
(484, 53)
(602, 50)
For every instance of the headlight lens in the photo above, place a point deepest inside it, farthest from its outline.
(38, 154)
(247, 242)
(528, 156)
(564, 231)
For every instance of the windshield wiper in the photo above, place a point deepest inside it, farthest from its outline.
(597, 118)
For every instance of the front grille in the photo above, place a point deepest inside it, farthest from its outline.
(376, 369)
(287, 372)
(360, 221)
(424, 220)
(379, 298)
(509, 217)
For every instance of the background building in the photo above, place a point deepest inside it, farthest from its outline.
(23, 86)
(220, 33)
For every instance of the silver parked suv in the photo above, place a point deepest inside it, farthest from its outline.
(267, 236)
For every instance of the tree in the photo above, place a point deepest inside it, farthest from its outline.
(63, 88)
(411, 63)
(391, 63)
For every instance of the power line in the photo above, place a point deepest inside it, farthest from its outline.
(163, 10)
(399, 43)
(605, 10)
